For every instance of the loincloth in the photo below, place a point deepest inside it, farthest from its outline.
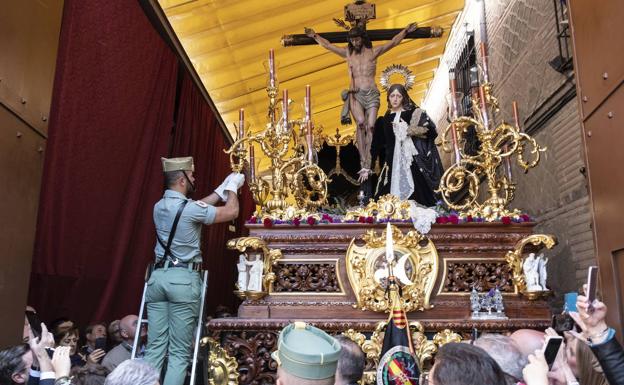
(367, 98)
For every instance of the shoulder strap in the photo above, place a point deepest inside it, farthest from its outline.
(171, 232)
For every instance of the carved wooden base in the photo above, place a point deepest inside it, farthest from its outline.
(311, 284)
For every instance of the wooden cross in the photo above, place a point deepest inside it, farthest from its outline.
(358, 14)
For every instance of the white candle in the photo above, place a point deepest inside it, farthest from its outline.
(241, 123)
(252, 164)
(455, 115)
(484, 62)
(308, 102)
(285, 108)
(389, 246)
(272, 67)
(310, 140)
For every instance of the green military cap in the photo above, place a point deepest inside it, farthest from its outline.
(307, 352)
(178, 164)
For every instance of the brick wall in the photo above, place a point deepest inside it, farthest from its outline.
(522, 40)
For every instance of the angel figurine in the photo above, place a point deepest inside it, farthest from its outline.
(531, 273)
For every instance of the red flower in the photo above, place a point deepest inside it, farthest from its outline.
(506, 220)
(370, 219)
(267, 222)
(525, 218)
(297, 221)
(454, 219)
(469, 218)
(442, 220)
(327, 218)
(311, 220)
(362, 219)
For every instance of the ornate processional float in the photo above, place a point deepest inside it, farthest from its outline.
(467, 270)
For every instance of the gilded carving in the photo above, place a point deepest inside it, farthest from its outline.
(446, 336)
(222, 369)
(305, 277)
(270, 258)
(515, 258)
(418, 264)
(252, 350)
(499, 143)
(424, 349)
(386, 207)
(462, 276)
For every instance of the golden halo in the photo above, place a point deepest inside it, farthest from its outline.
(396, 69)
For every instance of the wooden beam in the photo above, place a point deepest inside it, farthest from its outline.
(373, 34)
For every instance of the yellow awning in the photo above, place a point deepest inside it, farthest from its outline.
(228, 41)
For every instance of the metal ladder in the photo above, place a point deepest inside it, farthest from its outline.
(198, 331)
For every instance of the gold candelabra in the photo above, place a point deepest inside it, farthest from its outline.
(294, 175)
(460, 183)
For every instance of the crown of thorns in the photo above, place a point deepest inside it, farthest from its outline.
(397, 69)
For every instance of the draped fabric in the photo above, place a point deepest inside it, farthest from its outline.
(111, 120)
(197, 134)
(426, 166)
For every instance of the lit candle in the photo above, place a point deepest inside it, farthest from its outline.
(308, 102)
(272, 67)
(484, 62)
(241, 123)
(252, 164)
(455, 115)
(310, 140)
(285, 108)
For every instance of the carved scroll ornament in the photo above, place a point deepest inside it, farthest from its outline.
(416, 270)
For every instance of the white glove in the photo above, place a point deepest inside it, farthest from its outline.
(220, 191)
(239, 178)
(235, 182)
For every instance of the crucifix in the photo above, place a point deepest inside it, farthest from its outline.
(362, 98)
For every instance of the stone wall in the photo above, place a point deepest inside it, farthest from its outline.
(522, 40)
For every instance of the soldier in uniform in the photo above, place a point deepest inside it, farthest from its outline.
(174, 287)
(306, 355)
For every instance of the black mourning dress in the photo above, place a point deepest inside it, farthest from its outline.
(426, 167)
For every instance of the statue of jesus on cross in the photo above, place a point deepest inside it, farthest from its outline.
(363, 95)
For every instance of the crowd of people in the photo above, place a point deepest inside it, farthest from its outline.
(305, 355)
(60, 353)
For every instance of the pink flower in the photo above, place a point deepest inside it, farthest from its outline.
(454, 219)
(525, 218)
(506, 220)
(370, 219)
(469, 218)
(267, 222)
(311, 220)
(297, 221)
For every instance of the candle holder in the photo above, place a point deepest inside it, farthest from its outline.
(498, 144)
(293, 177)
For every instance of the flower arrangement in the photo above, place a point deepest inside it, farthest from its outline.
(444, 216)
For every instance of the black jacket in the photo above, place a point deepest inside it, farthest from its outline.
(611, 358)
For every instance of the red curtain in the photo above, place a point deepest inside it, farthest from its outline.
(197, 133)
(111, 120)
